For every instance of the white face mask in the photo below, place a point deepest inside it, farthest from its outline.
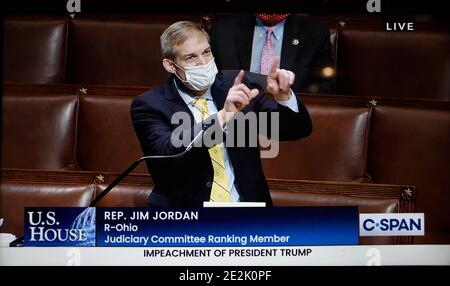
(199, 78)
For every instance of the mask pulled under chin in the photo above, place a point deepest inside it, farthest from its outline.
(199, 78)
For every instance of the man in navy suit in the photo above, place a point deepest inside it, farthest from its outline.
(190, 180)
(303, 45)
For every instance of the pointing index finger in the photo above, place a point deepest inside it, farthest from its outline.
(274, 66)
(239, 77)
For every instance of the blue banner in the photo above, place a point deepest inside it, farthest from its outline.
(63, 226)
(167, 227)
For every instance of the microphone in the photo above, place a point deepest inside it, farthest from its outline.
(136, 163)
(20, 240)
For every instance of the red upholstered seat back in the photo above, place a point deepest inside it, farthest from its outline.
(335, 151)
(38, 131)
(34, 49)
(106, 139)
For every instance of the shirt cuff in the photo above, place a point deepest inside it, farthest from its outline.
(291, 102)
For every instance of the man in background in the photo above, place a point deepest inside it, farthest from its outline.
(246, 41)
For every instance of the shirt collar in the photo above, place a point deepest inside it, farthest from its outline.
(189, 99)
(277, 29)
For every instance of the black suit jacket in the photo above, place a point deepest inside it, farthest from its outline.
(186, 181)
(232, 39)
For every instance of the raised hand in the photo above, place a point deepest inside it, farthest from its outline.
(279, 81)
(239, 96)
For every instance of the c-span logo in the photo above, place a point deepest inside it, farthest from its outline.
(394, 224)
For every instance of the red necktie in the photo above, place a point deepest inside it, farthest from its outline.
(268, 53)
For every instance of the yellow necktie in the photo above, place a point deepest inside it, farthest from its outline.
(220, 190)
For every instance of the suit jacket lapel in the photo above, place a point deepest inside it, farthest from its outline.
(219, 93)
(244, 41)
(177, 103)
(292, 42)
